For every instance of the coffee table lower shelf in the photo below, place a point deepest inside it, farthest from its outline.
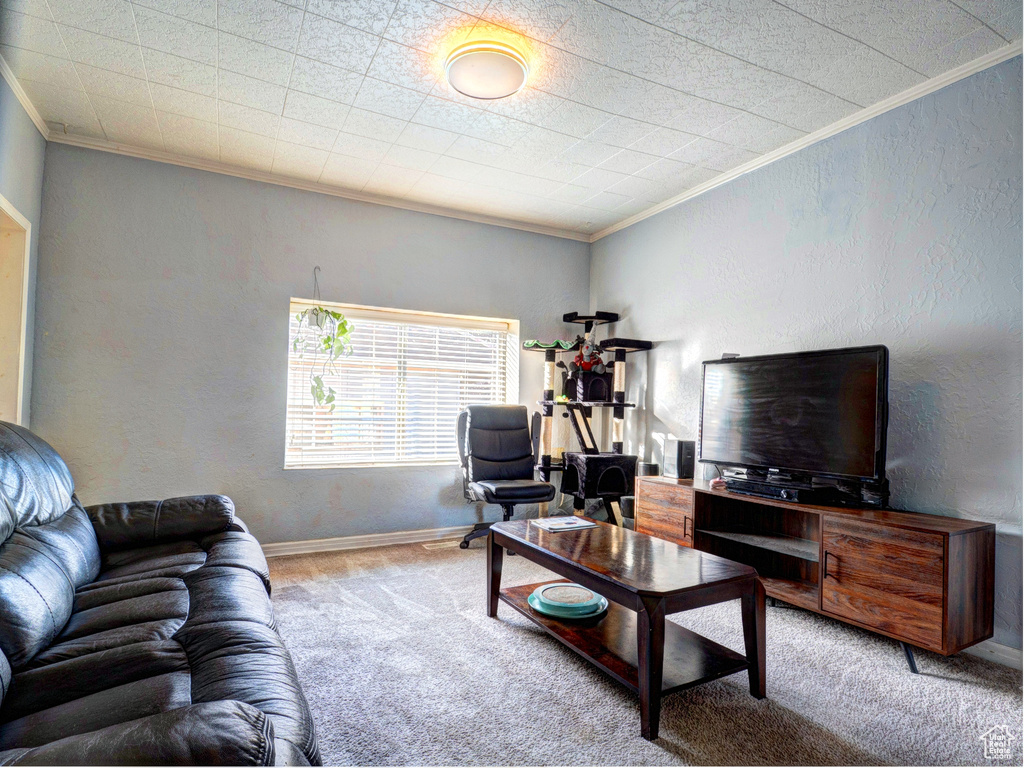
(609, 642)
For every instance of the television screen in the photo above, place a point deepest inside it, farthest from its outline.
(815, 413)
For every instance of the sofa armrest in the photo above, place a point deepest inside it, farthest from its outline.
(140, 523)
(213, 733)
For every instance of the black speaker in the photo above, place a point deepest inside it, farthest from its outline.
(679, 455)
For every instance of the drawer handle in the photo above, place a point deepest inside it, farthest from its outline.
(825, 574)
(685, 521)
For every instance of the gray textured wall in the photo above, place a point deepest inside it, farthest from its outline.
(904, 231)
(22, 151)
(162, 332)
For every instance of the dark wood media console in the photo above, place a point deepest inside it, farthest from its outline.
(925, 580)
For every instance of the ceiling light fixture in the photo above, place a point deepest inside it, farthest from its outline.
(486, 70)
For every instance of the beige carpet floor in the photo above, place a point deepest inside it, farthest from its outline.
(402, 667)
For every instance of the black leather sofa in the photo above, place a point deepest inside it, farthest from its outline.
(136, 633)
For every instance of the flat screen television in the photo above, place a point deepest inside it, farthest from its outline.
(810, 414)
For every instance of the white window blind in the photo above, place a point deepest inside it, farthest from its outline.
(400, 391)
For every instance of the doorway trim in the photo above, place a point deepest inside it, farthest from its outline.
(8, 208)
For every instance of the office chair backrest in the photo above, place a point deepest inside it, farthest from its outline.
(494, 442)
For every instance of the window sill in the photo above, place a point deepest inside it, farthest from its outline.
(394, 465)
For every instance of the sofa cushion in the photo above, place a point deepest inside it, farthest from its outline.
(36, 483)
(71, 543)
(36, 597)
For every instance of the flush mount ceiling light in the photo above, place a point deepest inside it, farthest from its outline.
(486, 70)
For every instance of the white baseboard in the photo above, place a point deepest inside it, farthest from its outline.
(1000, 654)
(363, 542)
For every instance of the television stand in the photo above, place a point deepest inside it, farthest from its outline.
(926, 581)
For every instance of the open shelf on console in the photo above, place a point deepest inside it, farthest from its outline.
(805, 549)
(803, 594)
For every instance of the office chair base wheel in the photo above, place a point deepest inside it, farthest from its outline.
(463, 545)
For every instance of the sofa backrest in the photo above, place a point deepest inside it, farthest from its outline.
(48, 546)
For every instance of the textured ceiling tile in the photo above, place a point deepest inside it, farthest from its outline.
(298, 162)
(607, 201)
(368, 15)
(977, 43)
(199, 11)
(713, 154)
(599, 178)
(572, 193)
(391, 181)
(246, 149)
(988, 10)
(529, 105)
(257, 60)
(497, 128)
(179, 102)
(388, 99)
(699, 116)
(177, 72)
(545, 143)
(428, 26)
(638, 187)
(111, 18)
(102, 82)
(186, 128)
(325, 81)
(453, 168)
(62, 105)
(171, 34)
(372, 125)
(781, 40)
(622, 131)
(867, 77)
(628, 161)
(563, 73)
(588, 152)
(448, 115)
(360, 146)
(665, 169)
(347, 172)
(250, 92)
(426, 138)
(29, 65)
(611, 91)
(265, 21)
(190, 146)
(403, 66)
(306, 134)
(431, 188)
(30, 33)
(539, 19)
(663, 141)
(313, 109)
(1009, 24)
(561, 170)
(755, 133)
(127, 123)
(799, 99)
(248, 119)
(574, 119)
(38, 8)
(103, 52)
(337, 44)
(407, 157)
(475, 150)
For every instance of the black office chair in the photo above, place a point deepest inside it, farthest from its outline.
(498, 460)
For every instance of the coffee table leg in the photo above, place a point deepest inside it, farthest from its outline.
(753, 636)
(650, 637)
(494, 557)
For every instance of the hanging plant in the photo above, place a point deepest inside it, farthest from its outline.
(329, 336)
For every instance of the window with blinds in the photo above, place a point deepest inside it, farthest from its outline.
(399, 392)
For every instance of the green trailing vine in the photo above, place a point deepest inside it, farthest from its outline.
(331, 337)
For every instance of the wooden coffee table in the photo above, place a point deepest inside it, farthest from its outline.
(644, 579)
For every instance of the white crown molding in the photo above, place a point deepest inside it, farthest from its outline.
(23, 98)
(362, 542)
(214, 166)
(1000, 654)
(921, 89)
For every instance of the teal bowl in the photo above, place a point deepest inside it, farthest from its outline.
(582, 610)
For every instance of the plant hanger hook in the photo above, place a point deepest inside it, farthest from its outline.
(316, 284)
